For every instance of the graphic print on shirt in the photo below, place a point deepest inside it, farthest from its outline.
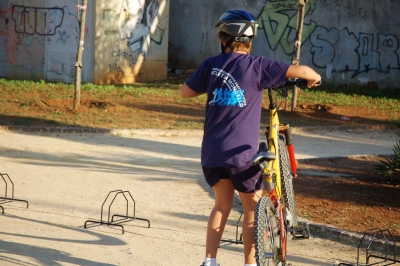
(233, 95)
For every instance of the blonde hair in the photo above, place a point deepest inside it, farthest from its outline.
(233, 46)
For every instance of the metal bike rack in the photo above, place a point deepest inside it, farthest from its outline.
(376, 232)
(239, 239)
(6, 178)
(126, 217)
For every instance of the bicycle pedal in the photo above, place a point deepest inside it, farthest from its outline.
(300, 232)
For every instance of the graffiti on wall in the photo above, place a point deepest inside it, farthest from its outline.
(54, 21)
(279, 21)
(343, 51)
(21, 50)
(136, 24)
(138, 28)
(44, 39)
(333, 49)
(34, 20)
(7, 40)
(330, 2)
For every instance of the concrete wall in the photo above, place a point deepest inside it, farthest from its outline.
(38, 40)
(346, 41)
(126, 41)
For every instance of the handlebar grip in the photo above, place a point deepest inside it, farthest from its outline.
(301, 82)
(298, 82)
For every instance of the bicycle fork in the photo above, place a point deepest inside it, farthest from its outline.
(290, 148)
(282, 234)
(281, 216)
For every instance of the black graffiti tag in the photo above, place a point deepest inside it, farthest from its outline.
(35, 20)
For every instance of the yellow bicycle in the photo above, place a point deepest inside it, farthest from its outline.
(276, 214)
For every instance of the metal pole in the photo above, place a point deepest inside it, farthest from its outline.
(297, 46)
(78, 65)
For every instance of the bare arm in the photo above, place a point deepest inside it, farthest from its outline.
(186, 92)
(304, 72)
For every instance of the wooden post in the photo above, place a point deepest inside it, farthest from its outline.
(78, 65)
(297, 46)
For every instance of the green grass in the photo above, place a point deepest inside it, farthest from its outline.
(352, 96)
(387, 101)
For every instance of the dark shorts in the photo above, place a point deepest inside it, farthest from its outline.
(245, 179)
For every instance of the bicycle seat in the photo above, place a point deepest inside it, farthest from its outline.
(263, 154)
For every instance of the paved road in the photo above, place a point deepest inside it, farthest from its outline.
(66, 178)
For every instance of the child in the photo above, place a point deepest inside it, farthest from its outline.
(234, 82)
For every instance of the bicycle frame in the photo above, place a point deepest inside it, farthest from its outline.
(272, 137)
(273, 169)
(276, 213)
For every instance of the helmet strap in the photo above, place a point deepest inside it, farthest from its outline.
(244, 39)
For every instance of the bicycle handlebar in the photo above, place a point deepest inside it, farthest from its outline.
(298, 83)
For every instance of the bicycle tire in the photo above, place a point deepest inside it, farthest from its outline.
(267, 234)
(287, 179)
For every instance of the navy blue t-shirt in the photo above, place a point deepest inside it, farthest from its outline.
(234, 84)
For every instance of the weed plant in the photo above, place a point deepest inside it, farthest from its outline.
(390, 166)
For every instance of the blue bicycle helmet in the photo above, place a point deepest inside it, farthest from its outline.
(239, 24)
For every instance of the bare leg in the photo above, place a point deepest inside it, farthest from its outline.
(224, 192)
(249, 203)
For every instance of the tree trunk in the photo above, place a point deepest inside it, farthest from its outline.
(78, 65)
(299, 32)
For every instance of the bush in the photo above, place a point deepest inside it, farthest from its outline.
(390, 167)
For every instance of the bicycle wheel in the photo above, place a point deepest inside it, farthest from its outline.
(267, 234)
(287, 179)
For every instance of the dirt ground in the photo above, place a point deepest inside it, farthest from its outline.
(65, 177)
(348, 193)
(356, 198)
